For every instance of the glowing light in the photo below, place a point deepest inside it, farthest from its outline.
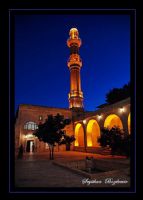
(89, 142)
(76, 143)
(122, 110)
(40, 117)
(29, 136)
(113, 120)
(84, 121)
(99, 117)
(93, 132)
(129, 125)
(79, 135)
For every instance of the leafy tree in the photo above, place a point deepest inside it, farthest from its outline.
(52, 131)
(117, 94)
(117, 140)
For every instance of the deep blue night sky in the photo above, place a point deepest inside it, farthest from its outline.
(41, 73)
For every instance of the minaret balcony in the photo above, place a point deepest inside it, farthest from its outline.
(75, 94)
(77, 41)
(74, 60)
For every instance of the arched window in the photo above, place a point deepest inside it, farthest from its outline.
(30, 126)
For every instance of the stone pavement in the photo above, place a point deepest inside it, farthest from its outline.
(36, 170)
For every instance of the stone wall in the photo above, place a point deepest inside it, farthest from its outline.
(30, 113)
(27, 113)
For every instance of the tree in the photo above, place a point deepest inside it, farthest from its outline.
(52, 131)
(117, 94)
(117, 139)
(67, 140)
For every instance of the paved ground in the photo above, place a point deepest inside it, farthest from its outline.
(36, 170)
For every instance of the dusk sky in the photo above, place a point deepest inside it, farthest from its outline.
(41, 73)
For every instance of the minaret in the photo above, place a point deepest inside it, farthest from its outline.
(74, 64)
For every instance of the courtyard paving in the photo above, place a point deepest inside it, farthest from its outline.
(36, 170)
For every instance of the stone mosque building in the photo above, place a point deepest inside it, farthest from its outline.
(85, 125)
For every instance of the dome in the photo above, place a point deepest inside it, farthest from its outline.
(73, 30)
(73, 33)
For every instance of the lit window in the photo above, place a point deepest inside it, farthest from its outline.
(30, 126)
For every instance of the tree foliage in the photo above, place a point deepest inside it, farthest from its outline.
(117, 94)
(52, 131)
(116, 139)
(67, 140)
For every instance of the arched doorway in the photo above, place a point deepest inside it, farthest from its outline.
(79, 135)
(129, 125)
(113, 120)
(92, 132)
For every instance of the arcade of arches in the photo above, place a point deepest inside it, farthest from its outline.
(93, 130)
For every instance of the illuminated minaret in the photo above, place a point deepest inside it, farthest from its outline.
(74, 64)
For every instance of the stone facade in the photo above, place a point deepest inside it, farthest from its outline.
(84, 125)
(30, 113)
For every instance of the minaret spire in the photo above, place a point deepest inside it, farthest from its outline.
(75, 64)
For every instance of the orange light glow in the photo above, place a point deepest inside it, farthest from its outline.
(93, 132)
(129, 125)
(113, 120)
(89, 141)
(79, 135)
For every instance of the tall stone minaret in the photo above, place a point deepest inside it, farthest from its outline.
(74, 64)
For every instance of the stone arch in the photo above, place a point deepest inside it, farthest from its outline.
(79, 135)
(113, 120)
(129, 125)
(92, 133)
